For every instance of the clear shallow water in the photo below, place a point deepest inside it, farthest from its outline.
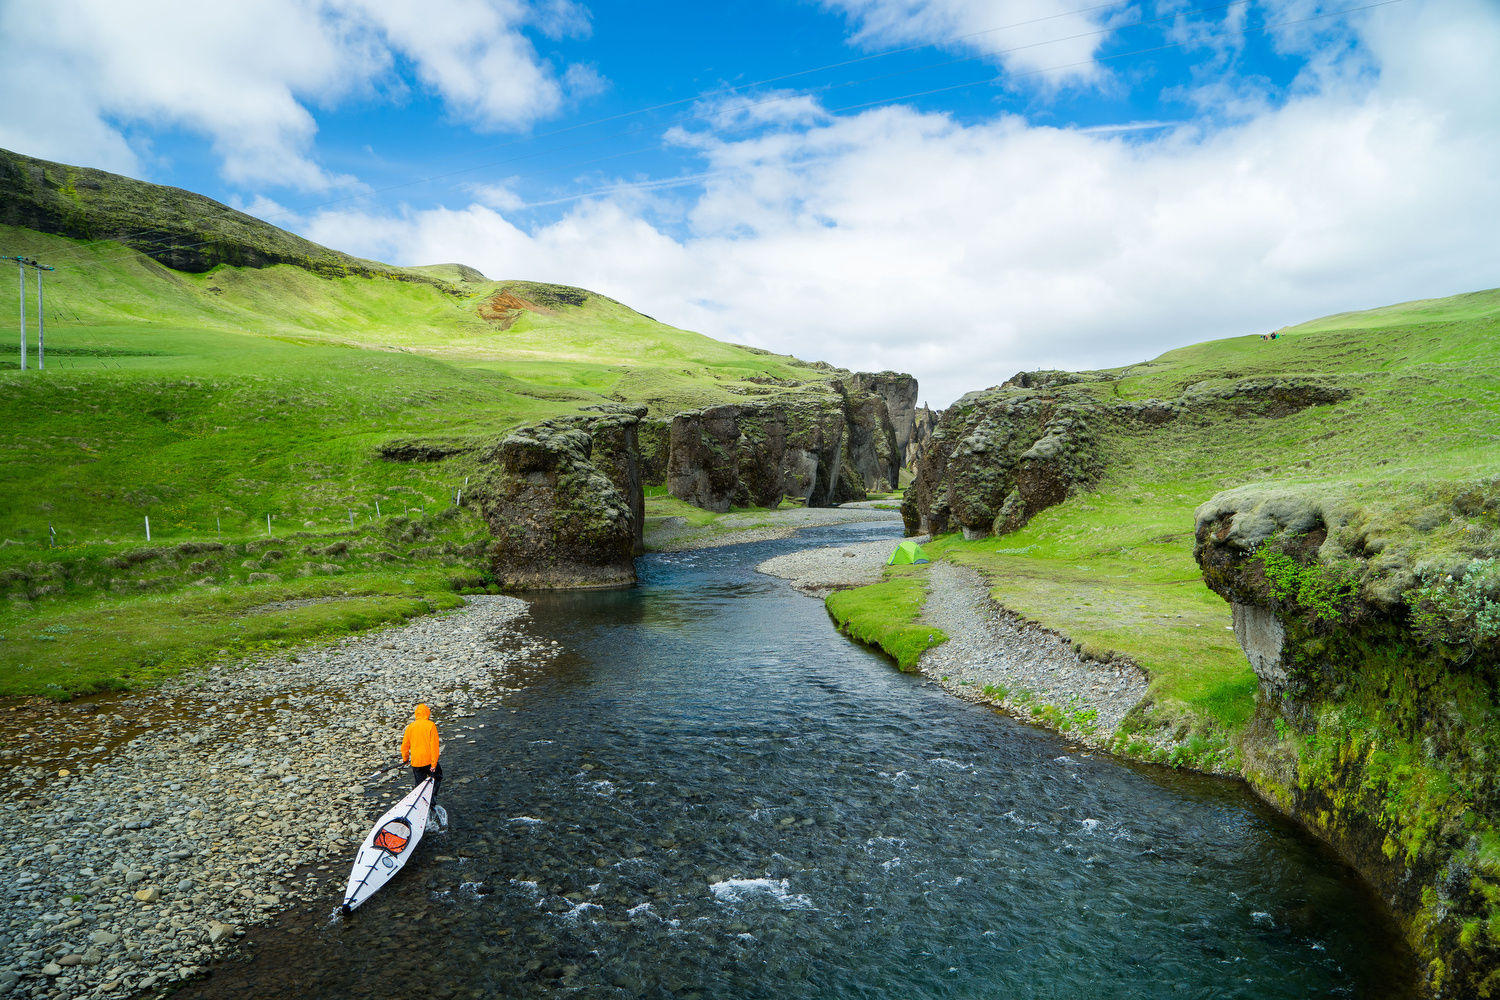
(713, 794)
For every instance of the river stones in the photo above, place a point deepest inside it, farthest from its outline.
(166, 842)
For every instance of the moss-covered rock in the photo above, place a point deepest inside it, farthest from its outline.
(1373, 626)
(821, 443)
(655, 438)
(999, 456)
(873, 449)
(564, 503)
(891, 436)
(924, 422)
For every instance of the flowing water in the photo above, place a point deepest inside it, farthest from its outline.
(713, 794)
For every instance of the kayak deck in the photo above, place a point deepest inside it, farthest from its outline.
(388, 845)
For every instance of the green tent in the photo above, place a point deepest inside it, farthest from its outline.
(907, 552)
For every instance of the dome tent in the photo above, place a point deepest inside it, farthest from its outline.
(907, 552)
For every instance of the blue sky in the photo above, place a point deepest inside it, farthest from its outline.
(958, 188)
(684, 55)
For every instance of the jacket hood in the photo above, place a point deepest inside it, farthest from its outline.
(422, 712)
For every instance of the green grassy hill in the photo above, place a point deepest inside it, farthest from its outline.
(1113, 567)
(209, 400)
(184, 230)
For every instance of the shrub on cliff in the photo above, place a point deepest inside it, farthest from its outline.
(1462, 612)
(1323, 594)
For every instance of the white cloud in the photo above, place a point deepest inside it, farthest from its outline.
(740, 111)
(267, 210)
(501, 197)
(1053, 40)
(562, 19)
(473, 53)
(965, 253)
(246, 75)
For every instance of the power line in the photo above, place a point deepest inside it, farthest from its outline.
(836, 110)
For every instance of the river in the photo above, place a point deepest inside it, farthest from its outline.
(712, 793)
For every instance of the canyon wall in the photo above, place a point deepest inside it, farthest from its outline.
(1000, 455)
(822, 444)
(564, 498)
(1372, 621)
(564, 502)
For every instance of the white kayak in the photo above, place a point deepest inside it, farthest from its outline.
(387, 847)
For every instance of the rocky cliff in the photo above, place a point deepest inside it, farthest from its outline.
(177, 228)
(924, 422)
(564, 502)
(823, 443)
(1000, 455)
(564, 498)
(898, 391)
(1372, 622)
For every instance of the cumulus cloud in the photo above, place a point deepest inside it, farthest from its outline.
(249, 76)
(964, 253)
(1056, 40)
(474, 54)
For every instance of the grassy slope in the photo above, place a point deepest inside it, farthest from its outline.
(188, 230)
(1114, 569)
(214, 399)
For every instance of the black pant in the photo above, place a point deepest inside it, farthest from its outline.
(421, 774)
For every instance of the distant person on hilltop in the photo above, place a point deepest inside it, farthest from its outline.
(419, 748)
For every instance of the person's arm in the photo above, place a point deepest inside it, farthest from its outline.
(437, 747)
(406, 745)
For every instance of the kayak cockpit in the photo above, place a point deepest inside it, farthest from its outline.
(393, 836)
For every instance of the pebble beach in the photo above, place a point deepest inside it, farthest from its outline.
(992, 654)
(146, 831)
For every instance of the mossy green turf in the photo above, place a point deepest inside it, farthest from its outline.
(208, 401)
(886, 615)
(660, 506)
(1113, 567)
(673, 524)
(120, 643)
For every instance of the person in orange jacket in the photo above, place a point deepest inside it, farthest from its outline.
(419, 748)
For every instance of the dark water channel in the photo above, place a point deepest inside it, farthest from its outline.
(713, 794)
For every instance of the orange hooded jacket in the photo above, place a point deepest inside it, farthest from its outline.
(420, 743)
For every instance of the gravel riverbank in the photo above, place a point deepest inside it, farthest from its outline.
(143, 832)
(819, 572)
(992, 654)
(995, 656)
(675, 534)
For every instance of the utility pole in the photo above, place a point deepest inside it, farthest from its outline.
(41, 315)
(21, 271)
(22, 263)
